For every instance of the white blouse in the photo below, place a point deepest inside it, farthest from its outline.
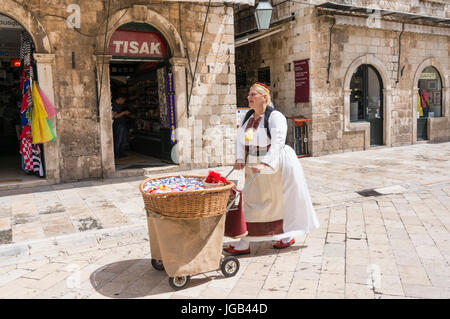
(278, 130)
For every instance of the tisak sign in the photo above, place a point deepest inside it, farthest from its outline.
(140, 44)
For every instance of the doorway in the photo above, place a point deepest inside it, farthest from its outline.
(366, 101)
(429, 100)
(141, 75)
(20, 159)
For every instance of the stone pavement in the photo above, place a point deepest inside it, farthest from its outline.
(385, 233)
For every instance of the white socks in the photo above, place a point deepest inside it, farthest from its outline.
(243, 244)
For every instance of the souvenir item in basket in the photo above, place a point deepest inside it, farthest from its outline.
(214, 179)
(172, 184)
(167, 196)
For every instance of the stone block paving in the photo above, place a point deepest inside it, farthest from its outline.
(90, 239)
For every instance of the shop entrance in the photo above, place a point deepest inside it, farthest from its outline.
(141, 82)
(429, 100)
(20, 159)
(366, 101)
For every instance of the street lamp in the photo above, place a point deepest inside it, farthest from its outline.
(263, 14)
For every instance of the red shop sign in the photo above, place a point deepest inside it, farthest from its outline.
(137, 44)
(301, 70)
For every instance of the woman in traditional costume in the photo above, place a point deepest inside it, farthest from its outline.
(277, 204)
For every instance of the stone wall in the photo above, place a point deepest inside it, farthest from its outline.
(278, 51)
(354, 41)
(380, 48)
(438, 8)
(74, 82)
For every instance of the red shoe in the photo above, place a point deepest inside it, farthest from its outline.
(230, 249)
(280, 245)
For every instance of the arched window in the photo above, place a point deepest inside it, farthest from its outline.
(366, 100)
(429, 97)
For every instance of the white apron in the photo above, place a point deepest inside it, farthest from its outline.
(277, 204)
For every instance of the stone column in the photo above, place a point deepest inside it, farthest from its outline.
(414, 116)
(445, 100)
(355, 126)
(437, 127)
(105, 129)
(387, 129)
(183, 146)
(44, 63)
(347, 94)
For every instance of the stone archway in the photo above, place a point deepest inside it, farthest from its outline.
(17, 12)
(445, 118)
(45, 61)
(140, 14)
(387, 89)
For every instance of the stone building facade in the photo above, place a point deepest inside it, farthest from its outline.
(398, 40)
(71, 61)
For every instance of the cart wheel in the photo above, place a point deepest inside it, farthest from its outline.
(179, 282)
(157, 264)
(229, 266)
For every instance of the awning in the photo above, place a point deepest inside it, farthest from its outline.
(381, 12)
(255, 35)
(258, 36)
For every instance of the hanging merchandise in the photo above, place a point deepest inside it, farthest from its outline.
(37, 164)
(25, 149)
(171, 108)
(36, 110)
(47, 104)
(424, 96)
(26, 47)
(163, 112)
(419, 105)
(41, 127)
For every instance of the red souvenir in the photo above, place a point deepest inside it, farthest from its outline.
(214, 178)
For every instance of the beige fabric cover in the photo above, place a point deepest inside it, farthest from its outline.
(186, 246)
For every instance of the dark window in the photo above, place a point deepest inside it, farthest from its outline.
(264, 75)
(241, 79)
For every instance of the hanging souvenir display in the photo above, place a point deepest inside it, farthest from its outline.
(163, 112)
(25, 109)
(36, 110)
(171, 107)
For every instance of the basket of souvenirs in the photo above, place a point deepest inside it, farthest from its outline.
(186, 196)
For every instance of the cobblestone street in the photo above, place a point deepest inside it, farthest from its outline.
(385, 233)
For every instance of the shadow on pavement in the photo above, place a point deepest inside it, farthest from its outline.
(265, 248)
(119, 280)
(136, 278)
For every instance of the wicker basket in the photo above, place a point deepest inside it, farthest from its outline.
(189, 204)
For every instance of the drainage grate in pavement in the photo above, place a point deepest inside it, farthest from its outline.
(6, 236)
(369, 192)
